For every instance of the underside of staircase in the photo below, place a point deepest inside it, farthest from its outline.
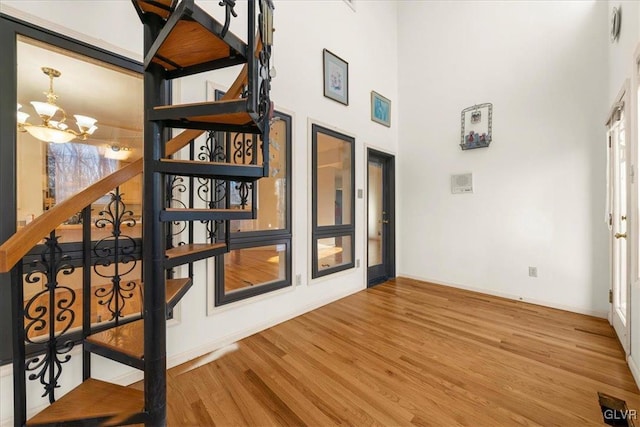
(181, 39)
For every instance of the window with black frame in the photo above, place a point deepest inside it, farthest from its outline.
(260, 257)
(333, 198)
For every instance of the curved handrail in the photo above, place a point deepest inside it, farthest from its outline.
(18, 245)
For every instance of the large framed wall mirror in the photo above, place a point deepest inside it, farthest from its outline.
(333, 201)
(77, 117)
(51, 169)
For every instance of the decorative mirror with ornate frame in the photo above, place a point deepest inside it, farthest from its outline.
(476, 126)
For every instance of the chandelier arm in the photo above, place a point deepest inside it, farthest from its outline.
(64, 115)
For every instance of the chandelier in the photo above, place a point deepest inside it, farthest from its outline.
(117, 152)
(53, 127)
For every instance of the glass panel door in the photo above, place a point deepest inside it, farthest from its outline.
(380, 214)
(619, 184)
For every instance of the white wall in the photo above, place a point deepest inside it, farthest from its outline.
(372, 56)
(620, 52)
(539, 188)
(622, 67)
(110, 24)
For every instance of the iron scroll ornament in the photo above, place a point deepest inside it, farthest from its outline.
(115, 256)
(49, 308)
(211, 191)
(476, 126)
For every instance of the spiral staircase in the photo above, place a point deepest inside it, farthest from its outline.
(180, 39)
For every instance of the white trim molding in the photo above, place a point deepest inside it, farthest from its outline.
(595, 313)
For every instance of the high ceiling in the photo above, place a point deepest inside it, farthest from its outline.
(87, 87)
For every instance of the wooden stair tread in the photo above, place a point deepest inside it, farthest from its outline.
(191, 42)
(192, 248)
(204, 103)
(161, 8)
(223, 112)
(93, 399)
(198, 162)
(187, 214)
(185, 254)
(127, 339)
(125, 343)
(212, 170)
(231, 118)
(174, 288)
(203, 210)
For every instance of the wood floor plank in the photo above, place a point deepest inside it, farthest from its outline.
(272, 368)
(412, 353)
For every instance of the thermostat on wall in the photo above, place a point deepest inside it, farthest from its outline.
(462, 183)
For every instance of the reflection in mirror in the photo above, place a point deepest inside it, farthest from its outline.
(102, 308)
(375, 215)
(50, 172)
(332, 201)
(263, 264)
(63, 165)
(334, 252)
(272, 190)
(254, 266)
(334, 180)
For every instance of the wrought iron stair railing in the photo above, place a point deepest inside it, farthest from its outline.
(105, 264)
(91, 292)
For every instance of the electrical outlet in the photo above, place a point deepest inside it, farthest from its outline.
(298, 279)
(357, 263)
(360, 193)
(533, 271)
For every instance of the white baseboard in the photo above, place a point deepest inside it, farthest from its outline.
(551, 304)
(634, 370)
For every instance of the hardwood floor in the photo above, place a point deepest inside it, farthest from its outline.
(412, 353)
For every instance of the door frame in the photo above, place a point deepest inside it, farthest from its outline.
(622, 101)
(388, 189)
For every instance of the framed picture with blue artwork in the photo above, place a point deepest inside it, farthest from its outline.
(336, 77)
(380, 109)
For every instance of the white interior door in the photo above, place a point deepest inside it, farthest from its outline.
(620, 283)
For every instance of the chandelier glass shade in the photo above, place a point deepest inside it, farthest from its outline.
(116, 152)
(53, 127)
